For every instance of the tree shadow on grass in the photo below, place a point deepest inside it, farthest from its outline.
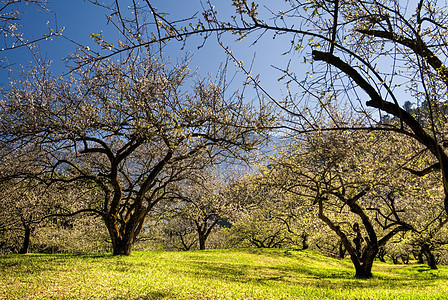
(39, 263)
(55, 256)
(154, 296)
(248, 273)
(329, 278)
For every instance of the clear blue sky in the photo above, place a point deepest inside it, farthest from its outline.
(80, 19)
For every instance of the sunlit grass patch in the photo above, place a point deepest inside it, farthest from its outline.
(211, 274)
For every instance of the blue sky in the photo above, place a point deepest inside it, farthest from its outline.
(77, 16)
(80, 19)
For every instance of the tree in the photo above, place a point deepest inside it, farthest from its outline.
(28, 206)
(354, 185)
(178, 233)
(198, 204)
(352, 46)
(260, 228)
(424, 211)
(265, 217)
(426, 242)
(27, 210)
(22, 207)
(128, 129)
(21, 212)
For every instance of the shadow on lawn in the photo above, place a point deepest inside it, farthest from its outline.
(337, 277)
(56, 256)
(154, 296)
(37, 263)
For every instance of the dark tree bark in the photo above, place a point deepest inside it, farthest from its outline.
(394, 259)
(358, 239)
(122, 247)
(202, 240)
(431, 260)
(381, 254)
(405, 258)
(341, 250)
(304, 241)
(420, 257)
(257, 243)
(26, 239)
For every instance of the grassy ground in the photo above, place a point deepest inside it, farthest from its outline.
(214, 274)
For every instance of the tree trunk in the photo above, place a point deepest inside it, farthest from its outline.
(26, 240)
(341, 250)
(201, 243)
(381, 254)
(122, 247)
(363, 265)
(203, 231)
(394, 259)
(420, 257)
(405, 258)
(358, 239)
(121, 242)
(363, 271)
(429, 257)
(304, 241)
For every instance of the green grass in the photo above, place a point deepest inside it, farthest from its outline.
(213, 274)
